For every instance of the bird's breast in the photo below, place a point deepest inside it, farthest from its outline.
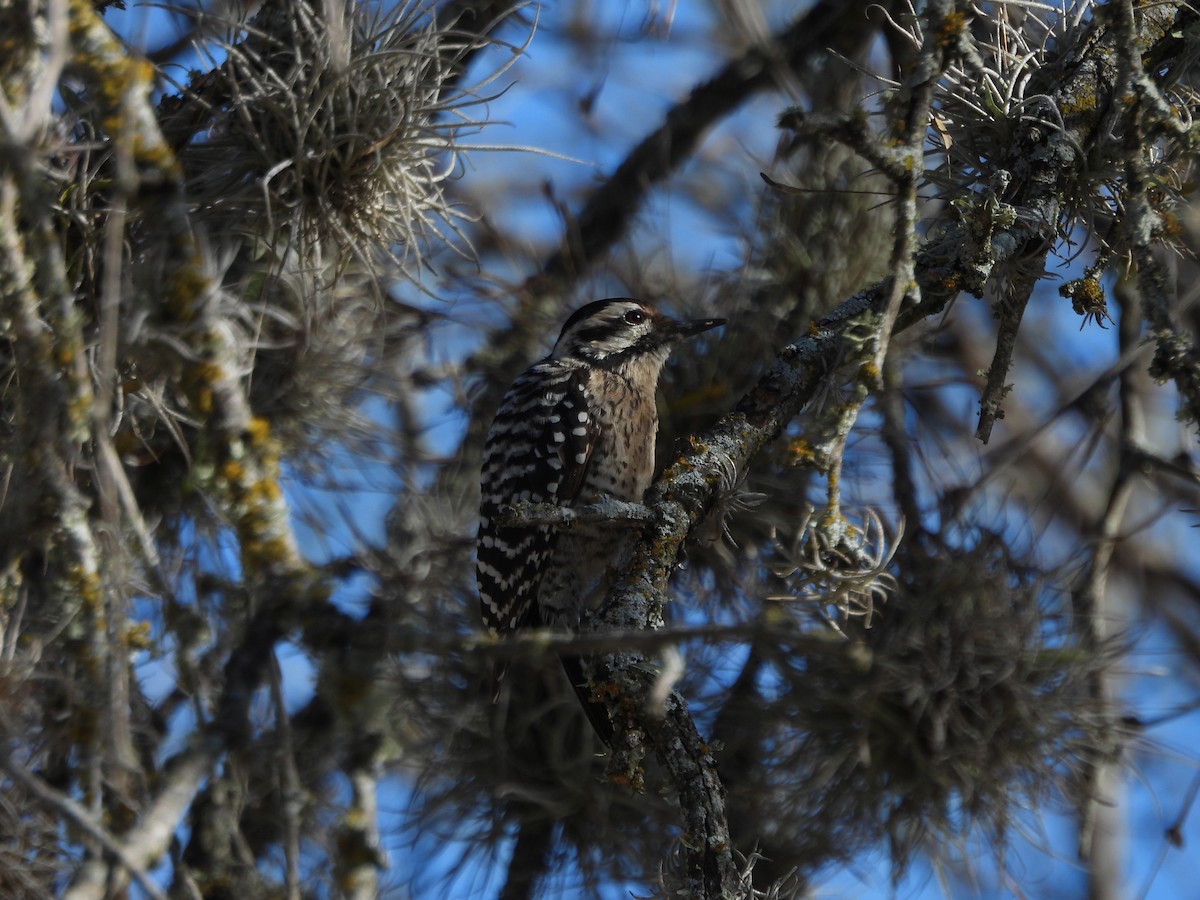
(622, 463)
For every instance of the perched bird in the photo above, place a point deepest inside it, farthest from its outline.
(580, 423)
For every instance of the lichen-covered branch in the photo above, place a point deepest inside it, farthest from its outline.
(240, 459)
(144, 844)
(604, 509)
(1015, 231)
(1149, 117)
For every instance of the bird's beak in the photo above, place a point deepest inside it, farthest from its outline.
(696, 326)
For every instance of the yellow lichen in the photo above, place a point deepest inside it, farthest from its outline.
(1082, 103)
(951, 28)
(268, 554)
(198, 381)
(232, 471)
(259, 431)
(833, 519)
(86, 585)
(265, 491)
(138, 636)
(186, 286)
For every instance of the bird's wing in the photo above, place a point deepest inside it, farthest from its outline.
(537, 451)
(577, 439)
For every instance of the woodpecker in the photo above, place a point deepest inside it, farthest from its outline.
(579, 423)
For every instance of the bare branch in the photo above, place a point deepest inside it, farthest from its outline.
(828, 23)
(125, 853)
(606, 509)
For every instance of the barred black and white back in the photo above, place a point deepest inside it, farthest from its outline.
(537, 451)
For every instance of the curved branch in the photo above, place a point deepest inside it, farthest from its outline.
(841, 26)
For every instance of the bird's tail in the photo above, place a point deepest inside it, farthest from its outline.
(596, 711)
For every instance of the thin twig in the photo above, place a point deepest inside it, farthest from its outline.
(79, 817)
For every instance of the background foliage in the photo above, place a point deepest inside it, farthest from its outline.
(919, 584)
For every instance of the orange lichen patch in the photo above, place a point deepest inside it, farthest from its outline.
(868, 373)
(801, 452)
(951, 29)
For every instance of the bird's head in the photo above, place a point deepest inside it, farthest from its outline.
(614, 333)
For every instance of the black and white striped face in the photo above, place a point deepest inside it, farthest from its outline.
(613, 331)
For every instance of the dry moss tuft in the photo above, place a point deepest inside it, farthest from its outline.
(334, 140)
(965, 704)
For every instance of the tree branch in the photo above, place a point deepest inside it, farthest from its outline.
(124, 852)
(1045, 159)
(605, 509)
(829, 23)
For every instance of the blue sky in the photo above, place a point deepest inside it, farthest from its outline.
(636, 77)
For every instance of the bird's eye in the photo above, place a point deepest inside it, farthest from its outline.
(635, 317)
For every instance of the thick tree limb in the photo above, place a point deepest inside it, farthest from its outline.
(142, 847)
(530, 857)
